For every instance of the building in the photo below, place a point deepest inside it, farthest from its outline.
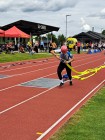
(31, 28)
(90, 36)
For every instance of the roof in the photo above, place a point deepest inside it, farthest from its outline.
(98, 35)
(31, 27)
(84, 35)
(2, 32)
(91, 35)
(15, 32)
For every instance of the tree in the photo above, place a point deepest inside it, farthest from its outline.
(103, 32)
(52, 37)
(61, 39)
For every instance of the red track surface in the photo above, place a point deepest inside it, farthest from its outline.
(27, 111)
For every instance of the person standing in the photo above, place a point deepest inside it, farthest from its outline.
(52, 46)
(41, 46)
(36, 45)
(78, 47)
(65, 58)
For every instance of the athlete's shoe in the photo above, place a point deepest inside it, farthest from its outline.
(61, 84)
(71, 83)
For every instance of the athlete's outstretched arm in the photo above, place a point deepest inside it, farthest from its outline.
(53, 52)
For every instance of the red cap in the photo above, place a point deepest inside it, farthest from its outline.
(64, 49)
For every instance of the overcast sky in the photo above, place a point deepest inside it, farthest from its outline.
(85, 14)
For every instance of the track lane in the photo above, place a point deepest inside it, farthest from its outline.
(12, 89)
(20, 73)
(43, 111)
(50, 105)
(20, 68)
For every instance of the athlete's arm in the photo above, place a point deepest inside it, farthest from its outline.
(69, 61)
(53, 52)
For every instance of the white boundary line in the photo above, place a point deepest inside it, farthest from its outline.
(67, 113)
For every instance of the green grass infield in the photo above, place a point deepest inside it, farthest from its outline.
(88, 123)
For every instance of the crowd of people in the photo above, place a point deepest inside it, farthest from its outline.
(36, 47)
(7, 48)
(86, 47)
(30, 47)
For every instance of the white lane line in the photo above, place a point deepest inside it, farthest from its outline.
(40, 77)
(25, 82)
(47, 68)
(27, 67)
(28, 72)
(54, 66)
(29, 98)
(42, 64)
(26, 100)
(68, 112)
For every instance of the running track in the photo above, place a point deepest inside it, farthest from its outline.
(33, 113)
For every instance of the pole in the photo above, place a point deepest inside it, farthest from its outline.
(66, 24)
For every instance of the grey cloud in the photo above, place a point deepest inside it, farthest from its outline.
(52, 5)
(100, 14)
(3, 9)
(4, 5)
(36, 5)
(93, 15)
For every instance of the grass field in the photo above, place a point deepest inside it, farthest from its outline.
(21, 56)
(88, 123)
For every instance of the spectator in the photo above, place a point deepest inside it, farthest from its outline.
(78, 47)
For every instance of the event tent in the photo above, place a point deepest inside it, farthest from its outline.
(15, 32)
(2, 33)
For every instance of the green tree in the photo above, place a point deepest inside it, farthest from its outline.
(52, 37)
(61, 39)
(103, 32)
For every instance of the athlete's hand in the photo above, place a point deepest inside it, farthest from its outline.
(57, 57)
(66, 62)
